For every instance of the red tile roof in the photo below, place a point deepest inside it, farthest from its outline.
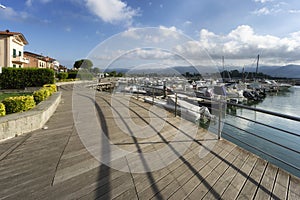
(8, 33)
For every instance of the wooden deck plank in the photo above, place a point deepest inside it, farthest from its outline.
(249, 189)
(58, 154)
(207, 185)
(294, 188)
(183, 173)
(281, 185)
(225, 179)
(238, 181)
(200, 176)
(266, 185)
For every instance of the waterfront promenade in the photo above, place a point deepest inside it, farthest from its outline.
(53, 163)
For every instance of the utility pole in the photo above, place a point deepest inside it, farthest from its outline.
(2, 6)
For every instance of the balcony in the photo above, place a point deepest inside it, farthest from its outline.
(19, 59)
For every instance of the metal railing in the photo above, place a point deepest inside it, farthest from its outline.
(221, 122)
(219, 112)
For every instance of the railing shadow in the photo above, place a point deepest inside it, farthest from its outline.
(200, 143)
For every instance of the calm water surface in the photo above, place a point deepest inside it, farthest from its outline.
(284, 102)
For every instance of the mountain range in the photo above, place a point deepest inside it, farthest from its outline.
(287, 71)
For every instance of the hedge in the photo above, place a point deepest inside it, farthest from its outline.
(62, 75)
(44, 92)
(18, 104)
(20, 78)
(2, 109)
(83, 75)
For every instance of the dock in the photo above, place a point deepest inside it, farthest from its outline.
(54, 163)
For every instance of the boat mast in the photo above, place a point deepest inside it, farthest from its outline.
(256, 67)
(223, 68)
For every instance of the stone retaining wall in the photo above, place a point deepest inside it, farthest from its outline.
(19, 123)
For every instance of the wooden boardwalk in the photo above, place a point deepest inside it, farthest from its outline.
(54, 163)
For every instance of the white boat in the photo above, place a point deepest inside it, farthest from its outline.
(134, 89)
(188, 111)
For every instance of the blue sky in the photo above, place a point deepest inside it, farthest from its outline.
(68, 30)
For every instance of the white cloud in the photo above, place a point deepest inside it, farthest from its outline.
(263, 1)
(152, 35)
(112, 11)
(262, 11)
(10, 14)
(171, 31)
(294, 11)
(68, 29)
(186, 23)
(152, 54)
(30, 2)
(131, 33)
(243, 43)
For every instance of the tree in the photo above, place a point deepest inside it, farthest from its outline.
(83, 64)
(96, 70)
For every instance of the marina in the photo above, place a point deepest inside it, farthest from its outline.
(201, 103)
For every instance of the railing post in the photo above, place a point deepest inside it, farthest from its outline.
(137, 92)
(153, 95)
(175, 104)
(219, 121)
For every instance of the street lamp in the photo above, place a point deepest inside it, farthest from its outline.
(2, 6)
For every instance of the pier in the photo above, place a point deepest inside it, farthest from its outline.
(53, 163)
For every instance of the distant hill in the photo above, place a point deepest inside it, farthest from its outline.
(288, 71)
(169, 71)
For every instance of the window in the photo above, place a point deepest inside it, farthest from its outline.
(14, 66)
(14, 53)
(20, 66)
(20, 53)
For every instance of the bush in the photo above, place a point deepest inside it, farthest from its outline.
(85, 76)
(43, 93)
(82, 75)
(72, 75)
(20, 78)
(51, 87)
(62, 75)
(2, 109)
(18, 104)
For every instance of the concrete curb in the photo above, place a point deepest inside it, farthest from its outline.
(20, 123)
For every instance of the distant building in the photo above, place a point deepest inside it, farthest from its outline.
(11, 49)
(62, 68)
(40, 61)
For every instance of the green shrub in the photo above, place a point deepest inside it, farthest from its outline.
(2, 109)
(18, 104)
(43, 93)
(81, 74)
(62, 75)
(51, 87)
(72, 75)
(20, 78)
(85, 76)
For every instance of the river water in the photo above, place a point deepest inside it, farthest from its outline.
(249, 132)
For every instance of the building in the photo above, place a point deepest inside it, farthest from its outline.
(40, 61)
(11, 49)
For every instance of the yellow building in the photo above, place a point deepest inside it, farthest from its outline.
(11, 49)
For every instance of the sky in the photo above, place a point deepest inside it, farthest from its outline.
(106, 30)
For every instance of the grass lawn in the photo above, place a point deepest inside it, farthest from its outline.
(5, 95)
